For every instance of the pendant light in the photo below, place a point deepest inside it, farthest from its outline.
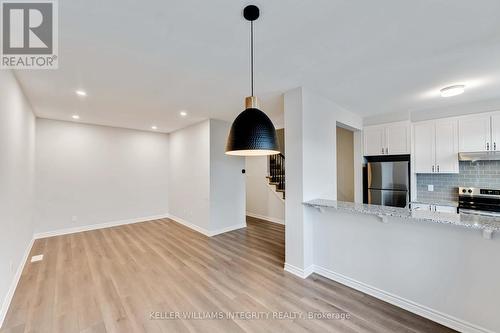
(252, 132)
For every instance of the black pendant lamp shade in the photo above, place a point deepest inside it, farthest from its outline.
(252, 132)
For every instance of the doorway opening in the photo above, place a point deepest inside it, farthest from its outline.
(345, 164)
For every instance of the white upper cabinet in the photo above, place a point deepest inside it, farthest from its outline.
(424, 146)
(397, 138)
(436, 146)
(475, 133)
(495, 131)
(388, 139)
(374, 140)
(446, 146)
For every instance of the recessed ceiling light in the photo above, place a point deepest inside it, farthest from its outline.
(154, 127)
(183, 113)
(75, 116)
(81, 93)
(453, 90)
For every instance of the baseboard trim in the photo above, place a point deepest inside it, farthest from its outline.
(301, 273)
(266, 218)
(189, 225)
(208, 233)
(67, 231)
(15, 281)
(439, 317)
(227, 229)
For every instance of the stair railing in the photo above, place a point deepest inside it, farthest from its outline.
(277, 171)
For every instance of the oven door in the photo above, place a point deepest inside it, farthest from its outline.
(478, 212)
(477, 203)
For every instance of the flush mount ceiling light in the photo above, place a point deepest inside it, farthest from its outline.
(453, 90)
(183, 113)
(81, 93)
(154, 127)
(75, 116)
(252, 132)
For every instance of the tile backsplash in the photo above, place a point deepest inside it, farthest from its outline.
(483, 174)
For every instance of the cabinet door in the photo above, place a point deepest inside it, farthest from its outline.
(374, 139)
(446, 209)
(446, 146)
(495, 132)
(474, 133)
(419, 206)
(423, 134)
(397, 139)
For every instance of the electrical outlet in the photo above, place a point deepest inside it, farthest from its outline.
(37, 258)
(430, 188)
(74, 218)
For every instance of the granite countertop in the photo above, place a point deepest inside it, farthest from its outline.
(436, 202)
(487, 224)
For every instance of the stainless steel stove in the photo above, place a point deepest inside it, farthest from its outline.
(479, 201)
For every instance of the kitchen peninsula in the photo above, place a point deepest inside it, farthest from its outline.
(424, 261)
(487, 224)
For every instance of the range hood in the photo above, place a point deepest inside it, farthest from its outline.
(479, 156)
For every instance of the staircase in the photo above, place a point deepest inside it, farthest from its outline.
(277, 172)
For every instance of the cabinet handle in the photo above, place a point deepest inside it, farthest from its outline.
(382, 150)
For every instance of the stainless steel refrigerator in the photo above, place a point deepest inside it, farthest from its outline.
(388, 183)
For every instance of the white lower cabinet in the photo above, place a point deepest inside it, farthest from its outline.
(445, 209)
(419, 206)
(433, 208)
(436, 146)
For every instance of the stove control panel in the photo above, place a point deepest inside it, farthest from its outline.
(489, 192)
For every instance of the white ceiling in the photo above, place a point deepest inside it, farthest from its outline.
(141, 62)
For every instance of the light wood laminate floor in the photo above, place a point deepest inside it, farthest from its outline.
(111, 280)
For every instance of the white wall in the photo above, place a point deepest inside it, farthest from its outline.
(189, 175)
(311, 165)
(447, 273)
(17, 133)
(97, 174)
(227, 182)
(262, 201)
(206, 187)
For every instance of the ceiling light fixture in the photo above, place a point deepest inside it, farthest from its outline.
(183, 113)
(154, 127)
(81, 93)
(453, 90)
(252, 132)
(75, 116)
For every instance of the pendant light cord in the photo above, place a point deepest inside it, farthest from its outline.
(251, 52)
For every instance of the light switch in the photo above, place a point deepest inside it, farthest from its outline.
(430, 188)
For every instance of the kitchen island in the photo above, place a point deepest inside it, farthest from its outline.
(434, 264)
